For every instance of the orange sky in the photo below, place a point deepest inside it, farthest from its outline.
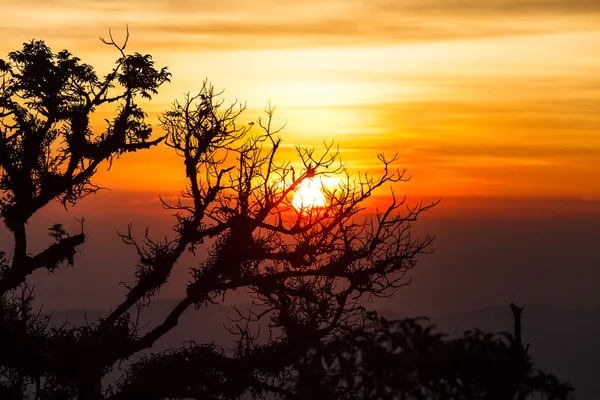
(479, 97)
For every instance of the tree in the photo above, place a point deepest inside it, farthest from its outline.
(303, 266)
(307, 268)
(47, 149)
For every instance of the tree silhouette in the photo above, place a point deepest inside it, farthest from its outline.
(307, 269)
(47, 149)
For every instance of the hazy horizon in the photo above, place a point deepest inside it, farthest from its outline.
(482, 258)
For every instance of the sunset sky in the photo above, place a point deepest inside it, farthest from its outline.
(493, 105)
(479, 98)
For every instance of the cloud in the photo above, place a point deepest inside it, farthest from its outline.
(279, 7)
(496, 6)
(262, 24)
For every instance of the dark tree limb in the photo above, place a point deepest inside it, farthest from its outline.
(50, 259)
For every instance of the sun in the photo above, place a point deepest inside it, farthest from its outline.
(308, 195)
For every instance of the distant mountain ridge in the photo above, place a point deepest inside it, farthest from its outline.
(565, 342)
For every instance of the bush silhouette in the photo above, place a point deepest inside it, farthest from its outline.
(306, 268)
(408, 359)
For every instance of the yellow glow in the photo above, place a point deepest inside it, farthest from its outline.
(309, 195)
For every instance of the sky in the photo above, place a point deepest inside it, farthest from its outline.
(479, 98)
(494, 106)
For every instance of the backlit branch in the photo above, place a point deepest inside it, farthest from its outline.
(308, 267)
